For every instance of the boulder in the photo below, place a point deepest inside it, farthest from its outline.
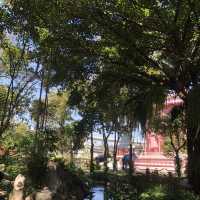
(60, 184)
(44, 194)
(64, 184)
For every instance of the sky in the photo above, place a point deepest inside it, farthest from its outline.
(137, 135)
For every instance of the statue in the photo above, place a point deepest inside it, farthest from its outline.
(18, 187)
(153, 142)
(154, 146)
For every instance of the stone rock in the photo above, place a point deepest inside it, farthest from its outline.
(44, 194)
(60, 184)
(29, 197)
(2, 194)
(63, 183)
(18, 187)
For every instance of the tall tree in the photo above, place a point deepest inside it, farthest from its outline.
(141, 44)
(18, 79)
(155, 43)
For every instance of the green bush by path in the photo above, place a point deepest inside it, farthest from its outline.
(122, 187)
(160, 192)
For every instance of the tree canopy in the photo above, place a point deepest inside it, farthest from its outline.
(112, 56)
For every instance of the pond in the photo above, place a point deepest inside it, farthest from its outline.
(97, 193)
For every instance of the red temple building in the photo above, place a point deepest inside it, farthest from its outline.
(152, 156)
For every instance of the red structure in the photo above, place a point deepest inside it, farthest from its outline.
(122, 151)
(153, 142)
(152, 157)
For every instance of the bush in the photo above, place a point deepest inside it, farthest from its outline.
(163, 193)
(155, 193)
(36, 168)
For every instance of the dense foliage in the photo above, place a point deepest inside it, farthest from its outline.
(113, 61)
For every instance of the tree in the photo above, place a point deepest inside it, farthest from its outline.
(177, 134)
(117, 136)
(155, 43)
(17, 141)
(106, 131)
(142, 44)
(85, 128)
(172, 125)
(58, 118)
(18, 80)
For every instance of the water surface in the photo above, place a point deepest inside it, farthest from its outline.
(97, 193)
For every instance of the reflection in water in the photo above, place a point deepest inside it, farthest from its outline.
(97, 193)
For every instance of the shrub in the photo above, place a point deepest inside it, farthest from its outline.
(155, 193)
(36, 168)
(163, 193)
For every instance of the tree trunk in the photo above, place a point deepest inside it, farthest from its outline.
(116, 141)
(177, 150)
(91, 153)
(106, 151)
(130, 155)
(71, 152)
(105, 156)
(71, 155)
(38, 119)
(178, 163)
(193, 148)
